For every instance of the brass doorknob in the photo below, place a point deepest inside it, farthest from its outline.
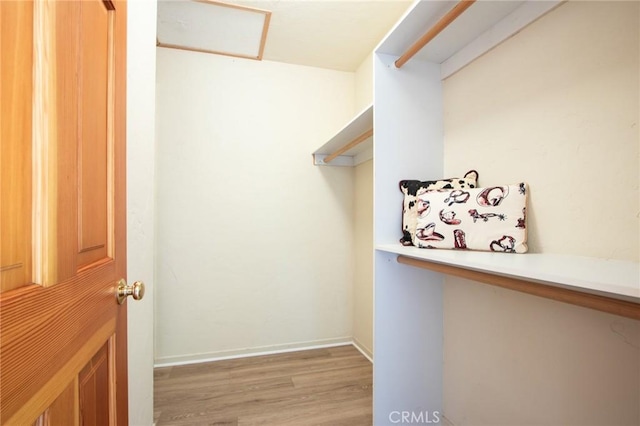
(123, 291)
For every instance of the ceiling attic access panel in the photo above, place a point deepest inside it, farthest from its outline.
(213, 27)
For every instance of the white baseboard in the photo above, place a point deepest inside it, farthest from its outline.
(363, 349)
(244, 353)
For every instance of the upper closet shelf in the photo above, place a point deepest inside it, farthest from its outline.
(480, 27)
(351, 146)
(454, 40)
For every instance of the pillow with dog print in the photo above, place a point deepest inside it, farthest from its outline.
(488, 219)
(412, 189)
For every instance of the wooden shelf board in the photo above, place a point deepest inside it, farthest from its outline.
(613, 279)
(356, 127)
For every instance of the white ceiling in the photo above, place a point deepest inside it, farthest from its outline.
(335, 34)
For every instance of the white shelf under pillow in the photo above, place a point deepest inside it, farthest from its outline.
(613, 279)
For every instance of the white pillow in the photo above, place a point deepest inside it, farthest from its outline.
(412, 188)
(488, 219)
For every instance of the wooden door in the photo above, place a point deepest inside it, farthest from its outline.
(62, 214)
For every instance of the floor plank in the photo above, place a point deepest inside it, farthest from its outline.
(330, 386)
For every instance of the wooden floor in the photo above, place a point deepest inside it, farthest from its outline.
(330, 386)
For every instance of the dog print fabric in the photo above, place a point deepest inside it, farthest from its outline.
(412, 189)
(488, 219)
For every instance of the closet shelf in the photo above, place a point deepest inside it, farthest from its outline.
(607, 285)
(454, 38)
(350, 146)
(433, 32)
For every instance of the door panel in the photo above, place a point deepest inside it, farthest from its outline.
(16, 50)
(62, 213)
(64, 410)
(96, 36)
(94, 394)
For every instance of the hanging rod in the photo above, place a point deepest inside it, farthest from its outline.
(457, 10)
(363, 137)
(586, 300)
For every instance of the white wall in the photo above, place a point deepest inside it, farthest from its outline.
(363, 224)
(364, 84)
(141, 70)
(556, 106)
(254, 243)
(363, 241)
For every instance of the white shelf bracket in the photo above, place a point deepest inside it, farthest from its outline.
(341, 160)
